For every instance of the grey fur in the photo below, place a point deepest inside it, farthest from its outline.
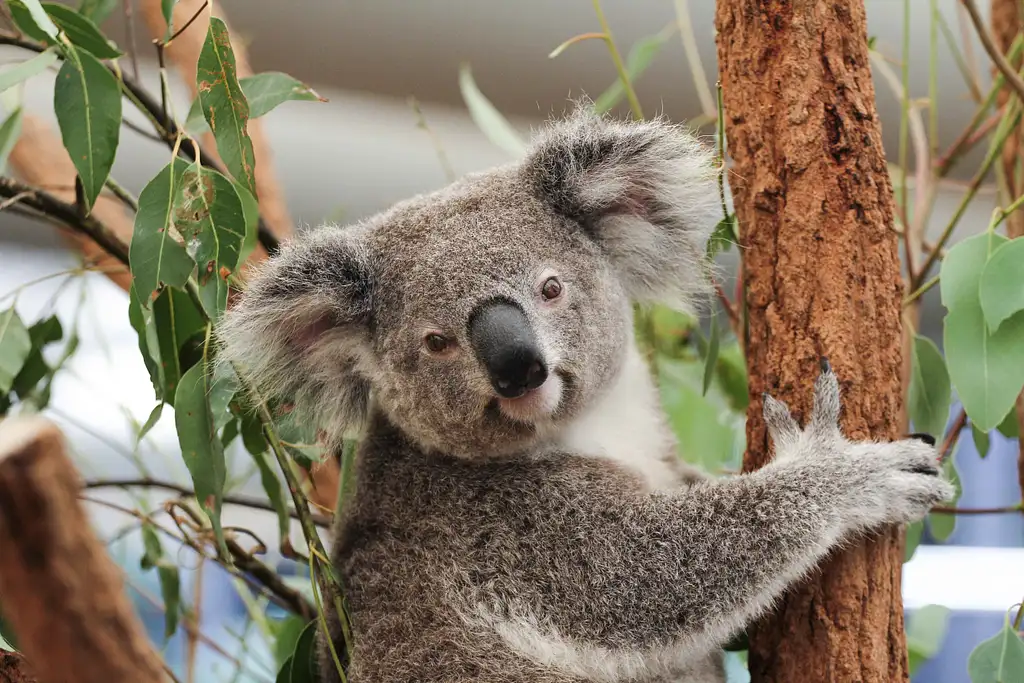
(484, 548)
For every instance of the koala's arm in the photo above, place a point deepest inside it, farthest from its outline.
(690, 568)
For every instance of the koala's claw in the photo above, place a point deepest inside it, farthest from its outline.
(927, 438)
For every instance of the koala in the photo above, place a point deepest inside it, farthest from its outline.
(520, 512)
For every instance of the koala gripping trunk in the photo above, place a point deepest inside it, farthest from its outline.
(821, 270)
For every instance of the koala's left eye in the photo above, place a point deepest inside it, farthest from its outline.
(551, 289)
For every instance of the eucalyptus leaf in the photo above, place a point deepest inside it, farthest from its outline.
(1002, 283)
(723, 236)
(986, 369)
(170, 579)
(960, 275)
(913, 539)
(167, 8)
(981, 441)
(40, 22)
(97, 10)
(208, 214)
(1000, 659)
(287, 631)
(154, 417)
(926, 629)
(156, 257)
(640, 56)
(165, 329)
(15, 347)
(200, 445)
(80, 30)
(1010, 427)
(264, 92)
(22, 71)
(711, 360)
(224, 105)
(941, 526)
(87, 101)
(487, 118)
(930, 391)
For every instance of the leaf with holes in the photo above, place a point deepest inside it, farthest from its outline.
(487, 118)
(167, 571)
(930, 392)
(1000, 659)
(200, 445)
(15, 347)
(87, 101)
(264, 92)
(157, 259)
(1002, 283)
(208, 214)
(640, 56)
(79, 29)
(224, 105)
(22, 71)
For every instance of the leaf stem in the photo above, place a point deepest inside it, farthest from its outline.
(634, 103)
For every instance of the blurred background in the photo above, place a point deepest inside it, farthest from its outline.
(363, 149)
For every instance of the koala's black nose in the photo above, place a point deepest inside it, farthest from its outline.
(505, 344)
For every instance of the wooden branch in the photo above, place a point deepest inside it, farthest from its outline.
(63, 595)
(183, 52)
(39, 158)
(1012, 79)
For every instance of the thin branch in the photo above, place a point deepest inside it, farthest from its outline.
(952, 435)
(943, 510)
(620, 66)
(165, 43)
(242, 501)
(67, 213)
(989, 44)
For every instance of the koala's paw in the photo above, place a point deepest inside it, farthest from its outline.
(879, 483)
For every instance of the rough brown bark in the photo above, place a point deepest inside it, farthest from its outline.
(821, 271)
(63, 596)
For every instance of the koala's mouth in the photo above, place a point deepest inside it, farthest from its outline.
(542, 404)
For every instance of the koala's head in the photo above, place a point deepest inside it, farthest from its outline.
(484, 316)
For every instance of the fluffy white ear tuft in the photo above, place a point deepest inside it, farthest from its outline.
(645, 191)
(300, 331)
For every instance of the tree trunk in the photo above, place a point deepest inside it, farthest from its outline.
(821, 273)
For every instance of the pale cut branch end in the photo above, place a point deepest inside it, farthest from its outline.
(63, 595)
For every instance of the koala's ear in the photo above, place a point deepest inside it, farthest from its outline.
(300, 330)
(644, 191)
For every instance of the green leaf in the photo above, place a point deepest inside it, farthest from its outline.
(960, 275)
(208, 214)
(165, 330)
(987, 370)
(913, 539)
(15, 346)
(80, 30)
(167, 7)
(156, 258)
(6, 634)
(97, 10)
(711, 359)
(1009, 427)
(942, 526)
(87, 100)
(1000, 659)
(224, 105)
(486, 117)
(723, 237)
(39, 22)
(301, 667)
(264, 92)
(22, 71)
(256, 445)
(930, 392)
(640, 57)
(170, 580)
(251, 210)
(200, 445)
(705, 437)
(926, 629)
(981, 440)
(287, 632)
(731, 372)
(1002, 283)
(35, 368)
(154, 417)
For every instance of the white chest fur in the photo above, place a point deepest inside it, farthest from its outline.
(627, 425)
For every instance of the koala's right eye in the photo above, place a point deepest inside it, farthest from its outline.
(436, 343)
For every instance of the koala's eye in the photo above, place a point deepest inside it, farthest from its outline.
(551, 289)
(436, 343)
